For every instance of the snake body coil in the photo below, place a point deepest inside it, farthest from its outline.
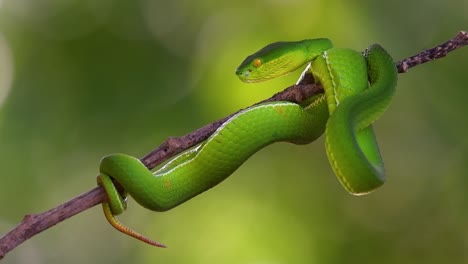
(345, 112)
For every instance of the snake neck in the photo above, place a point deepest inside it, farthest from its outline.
(315, 47)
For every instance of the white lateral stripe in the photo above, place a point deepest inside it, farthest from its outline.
(325, 56)
(199, 149)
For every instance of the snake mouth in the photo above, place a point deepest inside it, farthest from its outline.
(241, 73)
(244, 75)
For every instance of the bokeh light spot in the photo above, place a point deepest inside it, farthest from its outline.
(6, 69)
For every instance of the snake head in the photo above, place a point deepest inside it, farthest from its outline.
(280, 58)
(244, 71)
(272, 61)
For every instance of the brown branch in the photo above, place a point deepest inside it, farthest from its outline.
(440, 51)
(36, 223)
(33, 224)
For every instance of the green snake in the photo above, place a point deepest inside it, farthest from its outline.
(358, 89)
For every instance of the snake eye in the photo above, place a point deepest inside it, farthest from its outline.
(257, 63)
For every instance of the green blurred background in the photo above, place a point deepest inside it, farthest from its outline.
(81, 79)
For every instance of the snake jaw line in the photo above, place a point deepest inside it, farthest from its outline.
(303, 74)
